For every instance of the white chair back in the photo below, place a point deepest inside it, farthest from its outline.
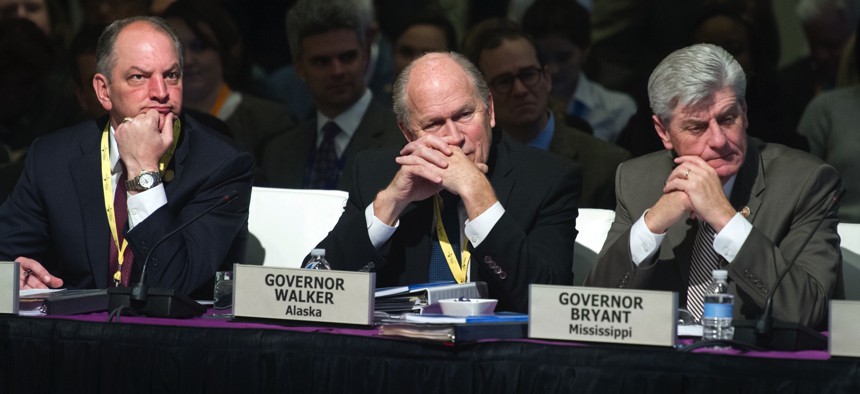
(592, 226)
(850, 244)
(288, 223)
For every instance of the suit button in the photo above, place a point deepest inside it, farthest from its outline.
(502, 274)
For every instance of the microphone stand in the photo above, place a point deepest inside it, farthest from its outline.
(765, 331)
(161, 302)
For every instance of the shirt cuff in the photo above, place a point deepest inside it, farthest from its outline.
(143, 204)
(728, 242)
(643, 243)
(377, 230)
(478, 229)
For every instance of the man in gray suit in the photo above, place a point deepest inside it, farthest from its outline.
(761, 199)
(330, 53)
(520, 84)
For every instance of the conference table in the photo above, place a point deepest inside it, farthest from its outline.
(88, 354)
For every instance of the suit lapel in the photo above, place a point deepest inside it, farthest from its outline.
(86, 172)
(750, 182)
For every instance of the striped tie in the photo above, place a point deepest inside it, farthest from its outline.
(705, 259)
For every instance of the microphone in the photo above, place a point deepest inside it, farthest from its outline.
(796, 336)
(165, 302)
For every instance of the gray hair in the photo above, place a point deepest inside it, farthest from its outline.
(401, 108)
(105, 56)
(692, 74)
(311, 17)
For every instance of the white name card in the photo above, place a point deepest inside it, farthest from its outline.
(591, 314)
(844, 338)
(300, 294)
(9, 287)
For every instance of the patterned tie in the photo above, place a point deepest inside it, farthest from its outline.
(439, 270)
(120, 209)
(704, 260)
(324, 173)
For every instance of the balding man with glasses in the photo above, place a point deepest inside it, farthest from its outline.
(520, 84)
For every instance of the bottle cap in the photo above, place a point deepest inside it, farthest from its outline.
(318, 252)
(720, 274)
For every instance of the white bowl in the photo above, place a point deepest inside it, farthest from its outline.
(468, 307)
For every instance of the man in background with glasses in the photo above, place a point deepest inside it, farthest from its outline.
(458, 201)
(520, 84)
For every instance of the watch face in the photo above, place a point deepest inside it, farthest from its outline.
(147, 180)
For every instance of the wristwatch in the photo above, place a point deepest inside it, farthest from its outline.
(144, 181)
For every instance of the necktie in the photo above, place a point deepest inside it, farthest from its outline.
(439, 270)
(120, 209)
(704, 260)
(324, 173)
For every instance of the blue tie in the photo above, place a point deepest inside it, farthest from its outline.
(439, 270)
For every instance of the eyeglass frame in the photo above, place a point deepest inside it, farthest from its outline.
(494, 84)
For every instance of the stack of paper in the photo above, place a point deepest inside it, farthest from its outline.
(425, 297)
(449, 329)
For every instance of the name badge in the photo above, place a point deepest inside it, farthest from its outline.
(844, 336)
(591, 314)
(299, 294)
(9, 287)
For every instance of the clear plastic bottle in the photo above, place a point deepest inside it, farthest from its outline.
(717, 317)
(317, 261)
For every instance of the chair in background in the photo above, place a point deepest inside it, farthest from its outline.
(850, 244)
(285, 224)
(593, 227)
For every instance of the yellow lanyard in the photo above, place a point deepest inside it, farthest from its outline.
(223, 93)
(108, 191)
(458, 269)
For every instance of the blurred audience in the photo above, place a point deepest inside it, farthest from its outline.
(830, 125)
(212, 46)
(562, 31)
(520, 84)
(331, 55)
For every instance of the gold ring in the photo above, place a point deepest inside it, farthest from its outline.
(687, 174)
(127, 119)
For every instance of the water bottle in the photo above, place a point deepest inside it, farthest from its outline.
(717, 318)
(317, 261)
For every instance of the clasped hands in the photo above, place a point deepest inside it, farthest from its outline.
(142, 140)
(693, 190)
(430, 164)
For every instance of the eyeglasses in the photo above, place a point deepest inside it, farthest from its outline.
(528, 76)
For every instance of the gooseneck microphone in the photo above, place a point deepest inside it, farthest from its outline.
(764, 324)
(168, 303)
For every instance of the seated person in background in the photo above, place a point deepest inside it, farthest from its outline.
(520, 84)
(830, 125)
(82, 61)
(331, 56)
(716, 198)
(94, 198)
(213, 51)
(562, 31)
(503, 213)
(427, 32)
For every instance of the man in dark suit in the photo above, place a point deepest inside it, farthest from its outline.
(762, 201)
(513, 207)
(521, 84)
(330, 52)
(65, 220)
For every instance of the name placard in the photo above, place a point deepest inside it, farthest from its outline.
(591, 314)
(844, 338)
(9, 272)
(300, 294)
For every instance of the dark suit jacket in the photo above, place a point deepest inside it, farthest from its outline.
(56, 214)
(598, 158)
(786, 192)
(532, 242)
(285, 157)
